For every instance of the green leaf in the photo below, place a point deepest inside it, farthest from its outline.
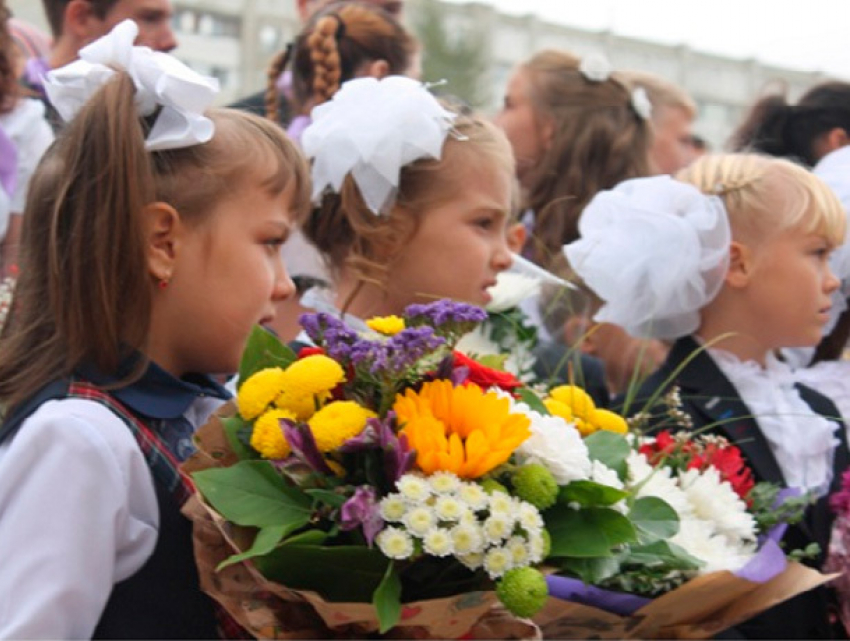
(493, 361)
(660, 553)
(588, 532)
(267, 538)
(611, 449)
(263, 350)
(233, 426)
(387, 599)
(590, 494)
(327, 497)
(532, 400)
(252, 493)
(592, 571)
(654, 519)
(310, 537)
(339, 573)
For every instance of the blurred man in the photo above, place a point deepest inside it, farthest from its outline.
(673, 115)
(75, 23)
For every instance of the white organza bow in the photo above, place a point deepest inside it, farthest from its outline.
(161, 81)
(655, 250)
(371, 129)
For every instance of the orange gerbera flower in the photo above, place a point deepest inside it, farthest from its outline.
(459, 429)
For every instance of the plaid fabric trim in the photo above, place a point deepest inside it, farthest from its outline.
(164, 466)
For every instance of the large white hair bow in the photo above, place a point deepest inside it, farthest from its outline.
(656, 251)
(371, 129)
(161, 81)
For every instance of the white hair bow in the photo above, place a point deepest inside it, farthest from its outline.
(161, 81)
(371, 129)
(656, 250)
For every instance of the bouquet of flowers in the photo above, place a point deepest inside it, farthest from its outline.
(704, 555)
(352, 488)
(506, 339)
(838, 555)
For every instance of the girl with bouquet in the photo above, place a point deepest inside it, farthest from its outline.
(150, 249)
(750, 276)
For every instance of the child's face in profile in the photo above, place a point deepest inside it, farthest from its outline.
(790, 287)
(227, 278)
(460, 246)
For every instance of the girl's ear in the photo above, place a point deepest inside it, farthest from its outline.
(376, 69)
(161, 225)
(740, 265)
(516, 235)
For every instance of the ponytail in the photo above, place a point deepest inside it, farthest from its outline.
(765, 129)
(272, 97)
(84, 291)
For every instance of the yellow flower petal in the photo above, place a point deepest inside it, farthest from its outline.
(267, 436)
(387, 325)
(337, 422)
(258, 391)
(607, 420)
(579, 401)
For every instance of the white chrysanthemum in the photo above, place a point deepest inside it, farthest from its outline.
(413, 488)
(519, 550)
(659, 483)
(469, 518)
(393, 508)
(444, 482)
(699, 540)
(472, 561)
(498, 527)
(497, 561)
(536, 547)
(473, 495)
(467, 539)
(558, 446)
(715, 501)
(501, 503)
(395, 543)
(449, 508)
(438, 542)
(604, 475)
(419, 520)
(529, 518)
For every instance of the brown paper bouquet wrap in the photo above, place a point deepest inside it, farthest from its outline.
(269, 610)
(699, 609)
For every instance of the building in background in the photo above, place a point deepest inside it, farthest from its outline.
(234, 40)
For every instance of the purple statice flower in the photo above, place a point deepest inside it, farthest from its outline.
(361, 510)
(381, 434)
(445, 311)
(411, 344)
(300, 439)
(330, 333)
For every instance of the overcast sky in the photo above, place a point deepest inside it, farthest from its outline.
(811, 35)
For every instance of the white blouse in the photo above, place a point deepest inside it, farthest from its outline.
(802, 441)
(78, 514)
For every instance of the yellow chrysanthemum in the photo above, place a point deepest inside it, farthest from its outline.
(579, 401)
(387, 325)
(462, 429)
(607, 420)
(337, 422)
(267, 437)
(559, 408)
(308, 383)
(258, 391)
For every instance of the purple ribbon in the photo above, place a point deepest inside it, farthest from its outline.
(767, 563)
(297, 126)
(8, 164)
(35, 71)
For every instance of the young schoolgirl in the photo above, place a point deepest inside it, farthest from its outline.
(731, 260)
(151, 247)
(413, 200)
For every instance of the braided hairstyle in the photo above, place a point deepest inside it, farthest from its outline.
(333, 47)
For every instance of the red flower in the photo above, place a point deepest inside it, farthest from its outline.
(308, 350)
(485, 377)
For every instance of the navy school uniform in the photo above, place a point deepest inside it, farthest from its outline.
(710, 399)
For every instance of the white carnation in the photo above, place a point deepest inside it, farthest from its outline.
(558, 446)
(714, 500)
(698, 539)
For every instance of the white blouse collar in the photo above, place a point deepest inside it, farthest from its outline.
(802, 441)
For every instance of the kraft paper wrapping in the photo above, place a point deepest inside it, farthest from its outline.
(269, 610)
(697, 610)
